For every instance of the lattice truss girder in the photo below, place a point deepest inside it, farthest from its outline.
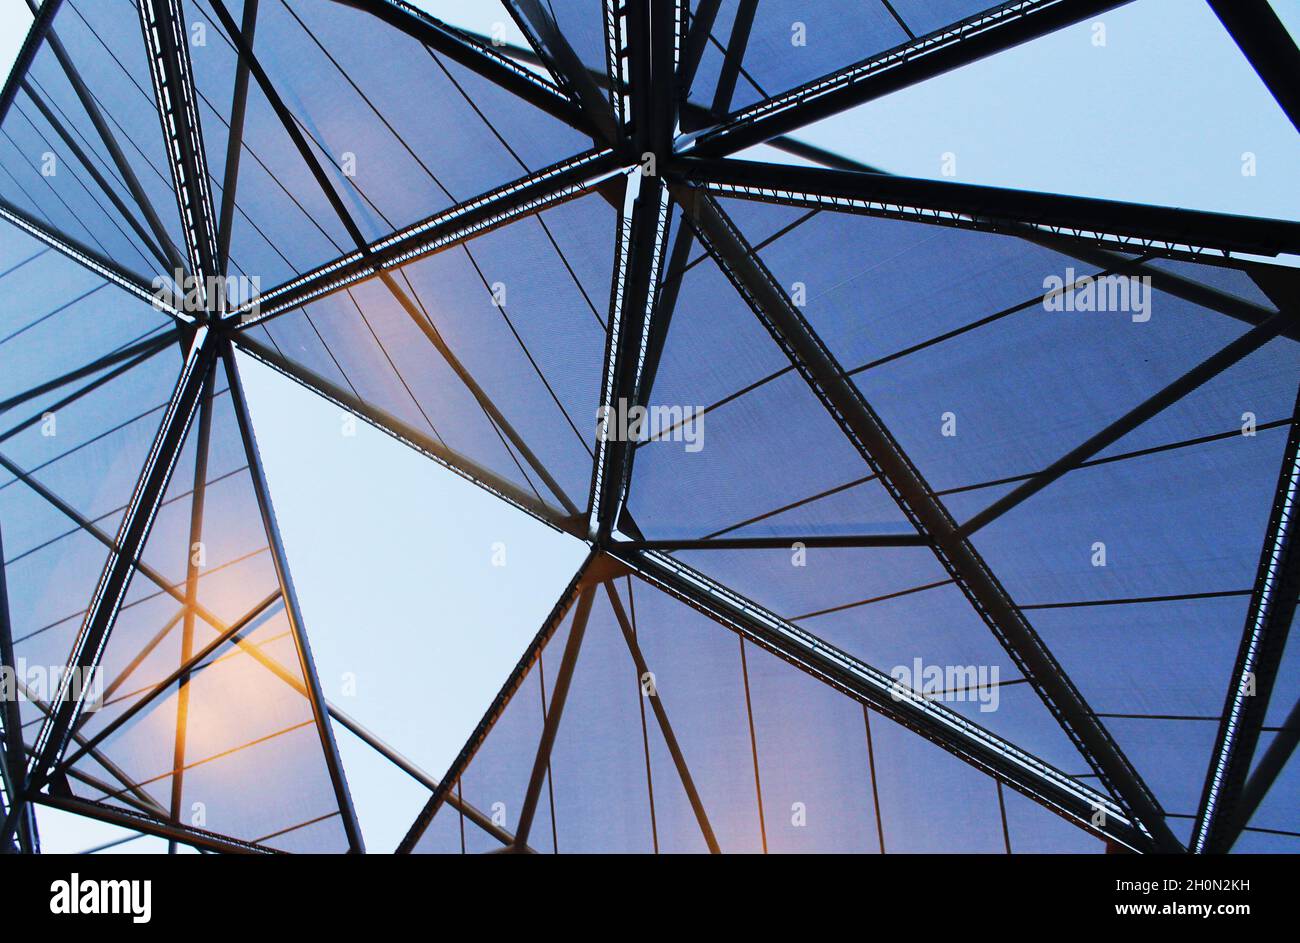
(658, 152)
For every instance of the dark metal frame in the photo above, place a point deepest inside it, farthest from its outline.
(653, 52)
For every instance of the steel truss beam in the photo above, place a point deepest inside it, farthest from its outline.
(137, 522)
(82, 254)
(166, 39)
(960, 44)
(1225, 809)
(914, 496)
(651, 32)
(1161, 278)
(1080, 804)
(1266, 42)
(588, 573)
(482, 59)
(1191, 234)
(640, 253)
(542, 190)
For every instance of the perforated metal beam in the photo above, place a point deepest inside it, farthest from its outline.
(1080, 804)
(896, 471)
(1200, 235)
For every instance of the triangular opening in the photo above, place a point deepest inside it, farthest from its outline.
(1152, 103)
(521, 314)
(479, 574)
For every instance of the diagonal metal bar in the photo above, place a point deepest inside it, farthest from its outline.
(479, 58)
(960, 44)
(586, 574)
(480, 395)
(420, 441)
(1267, 43)
(120, 161)
(305, 663)
(134, 353)
(665, 728)
(554, 713)
(146, 237)
(370, 739)
(41, 20)
(235, 142)
(1075, 801)
(14, 754)
(246, 55)
(1180, 233)
(915, 497)
(198, 838)
(203, 436)
(1162, 279)
(137, 521)
(96, 261)
(735, 55)
(131, 792)
(1268, 768)
(1223, 812)
(1202, 373)
(182, 671)
(531, 194)
(535, 20)
(697, 40)
(313, 164)
(165, 38)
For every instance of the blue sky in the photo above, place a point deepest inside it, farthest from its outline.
(392, 555)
